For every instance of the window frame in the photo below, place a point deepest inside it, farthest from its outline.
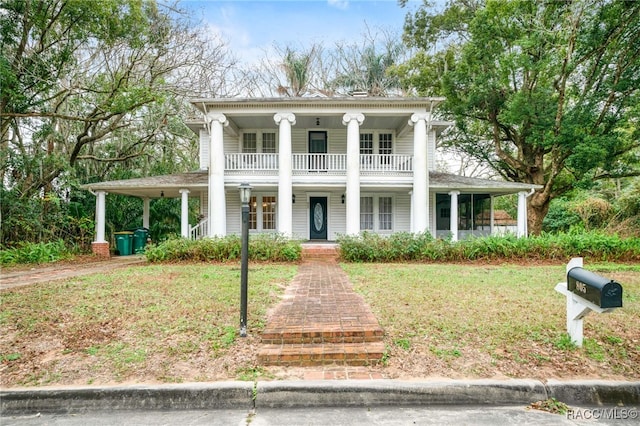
(376, 214)
(257, 213)
(259, 135)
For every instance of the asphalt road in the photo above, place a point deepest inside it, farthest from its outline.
(379, 415)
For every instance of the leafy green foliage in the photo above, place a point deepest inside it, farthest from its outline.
(272, 247)
(593, 245)
(26, 252)
(545, 93)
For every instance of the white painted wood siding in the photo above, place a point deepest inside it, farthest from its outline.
(204, 149)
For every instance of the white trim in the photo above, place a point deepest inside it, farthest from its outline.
(376, 212)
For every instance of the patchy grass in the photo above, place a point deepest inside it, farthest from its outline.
(179, 323)
(496, 321)
(166, 323)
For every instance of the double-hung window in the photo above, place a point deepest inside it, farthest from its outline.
(366, 213)
(376, 213)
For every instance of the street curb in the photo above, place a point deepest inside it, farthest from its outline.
(191, 396)
(303, 394)
(389, 392)
(594, 392)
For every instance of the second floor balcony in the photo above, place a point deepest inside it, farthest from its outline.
(308, 164)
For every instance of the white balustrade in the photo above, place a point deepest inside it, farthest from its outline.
(200, 230)
(330, 163)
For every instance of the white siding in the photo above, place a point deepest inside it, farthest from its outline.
(234, 213)
(404, 145)
(300, 216)
(402, 213)
(204, 203)
(204, 149)
(431, 150)
(337, 215)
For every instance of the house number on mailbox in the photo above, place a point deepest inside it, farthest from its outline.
(581, 287)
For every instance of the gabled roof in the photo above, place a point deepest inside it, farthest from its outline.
(169, 185)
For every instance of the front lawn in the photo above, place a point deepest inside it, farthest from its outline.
(487, 321)
(178, 323)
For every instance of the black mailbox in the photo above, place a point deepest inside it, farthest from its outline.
(600, 291)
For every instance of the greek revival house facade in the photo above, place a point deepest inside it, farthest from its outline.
(319, 168)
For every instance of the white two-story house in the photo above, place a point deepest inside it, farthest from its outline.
(319, 168)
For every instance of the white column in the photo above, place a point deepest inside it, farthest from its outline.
(353, 122)
(285, 190)
(453, 227)
(100, 216)
(420, 205)
(146, 207)
(217, 201)
(522, 214)
(184, 213)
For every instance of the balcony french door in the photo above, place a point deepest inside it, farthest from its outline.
(317, 151)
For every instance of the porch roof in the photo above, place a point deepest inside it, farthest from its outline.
(318, 112)
(170, 185)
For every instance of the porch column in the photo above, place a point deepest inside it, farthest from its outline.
(184, 213)
(146, 203)
(522, 214)
(285, 191)
(100, 216)
(100, 246)
(420, 205)
(453, 215)
(217, 201)
(353, 122)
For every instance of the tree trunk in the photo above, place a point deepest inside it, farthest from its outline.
(537, 209)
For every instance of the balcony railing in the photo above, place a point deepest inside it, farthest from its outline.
(328, 163)
(251, 162)
(319, 163)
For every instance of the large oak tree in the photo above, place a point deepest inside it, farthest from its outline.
(544, 92)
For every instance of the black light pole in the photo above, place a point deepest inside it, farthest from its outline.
(245, 197)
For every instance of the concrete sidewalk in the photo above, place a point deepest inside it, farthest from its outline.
(307, 394)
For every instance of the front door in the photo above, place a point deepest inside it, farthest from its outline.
(317, 151)
(318, 218)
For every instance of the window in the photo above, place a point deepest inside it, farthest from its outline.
(249, 143)
(385, 214)
(269, 143)
(366, 143)
(253, 213)
(376, 213)
(366, 213)
(269, 212)
(262, 213)
(385, 143)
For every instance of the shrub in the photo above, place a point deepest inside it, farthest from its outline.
(422, 247)
(26, 252)
(272, 247)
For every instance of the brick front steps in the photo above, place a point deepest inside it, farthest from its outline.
(320, 251)
(311, 354)
(321, 321)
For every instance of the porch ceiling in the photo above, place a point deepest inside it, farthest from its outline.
(170, 185)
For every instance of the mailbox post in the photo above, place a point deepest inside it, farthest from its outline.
(586, 292)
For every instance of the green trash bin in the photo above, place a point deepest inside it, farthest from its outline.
(123, 242)
(140, 236)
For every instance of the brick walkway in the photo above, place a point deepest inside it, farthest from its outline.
(320, 321)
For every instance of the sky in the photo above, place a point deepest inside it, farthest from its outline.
(252, 27)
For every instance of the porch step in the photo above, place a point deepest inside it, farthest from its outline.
(322, 335)
(320, 251)
(368, 353)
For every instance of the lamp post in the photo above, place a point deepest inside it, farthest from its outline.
(245, 197)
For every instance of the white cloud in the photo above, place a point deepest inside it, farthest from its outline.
(339, 4)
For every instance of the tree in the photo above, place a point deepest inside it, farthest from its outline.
(364, 67)
(91, 87)
(546, 93)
